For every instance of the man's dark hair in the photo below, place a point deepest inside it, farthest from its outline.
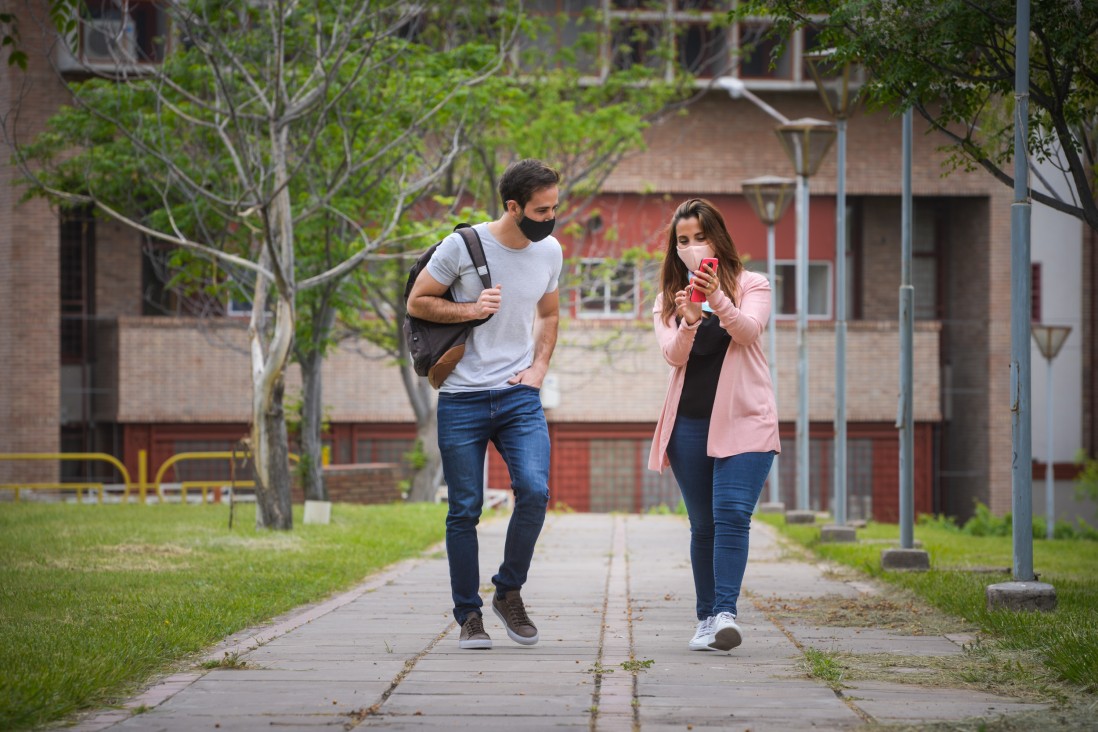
(522, 179)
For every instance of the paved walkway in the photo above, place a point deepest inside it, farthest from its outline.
(604, 590)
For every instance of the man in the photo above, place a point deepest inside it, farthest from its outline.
(494, 391)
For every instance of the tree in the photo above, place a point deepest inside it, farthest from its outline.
(543, 109)
(953, 62)
(268, 124)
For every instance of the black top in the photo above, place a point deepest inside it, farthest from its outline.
(703, 369)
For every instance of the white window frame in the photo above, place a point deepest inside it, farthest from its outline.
(71, 55)
(607, 312)
(759, 266)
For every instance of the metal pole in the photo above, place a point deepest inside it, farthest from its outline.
(906, 418)
(1020, 374)
(1050, 499)
(802, 351)
(840, 331)
(771, 273)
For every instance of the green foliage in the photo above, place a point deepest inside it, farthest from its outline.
(99, 599)
(635, 666)
(416, 458)
(953, 62)
(1086, 483)
(662, 509)
(939, 521)
(824, 665)
(984, 523)
(9, 39)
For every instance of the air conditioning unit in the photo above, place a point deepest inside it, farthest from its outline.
(109, 41)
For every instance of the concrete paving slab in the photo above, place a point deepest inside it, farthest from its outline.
(229, 723)
(509, 723)
(901, 703)
(613, 598)
(871, 640)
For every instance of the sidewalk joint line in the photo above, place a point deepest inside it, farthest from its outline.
(616, 610)
(596, 695)
(358, 716)
(866, 716)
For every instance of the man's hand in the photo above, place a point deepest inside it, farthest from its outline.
(533, 376)
(488, 302)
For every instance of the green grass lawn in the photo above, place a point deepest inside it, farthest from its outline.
(95, 600)
(962, 566)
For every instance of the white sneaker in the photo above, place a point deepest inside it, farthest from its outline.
(726, 635)
(703, 636)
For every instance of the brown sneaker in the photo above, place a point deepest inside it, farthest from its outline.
(472, 633)
(513, 614)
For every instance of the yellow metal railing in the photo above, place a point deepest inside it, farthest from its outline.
(206, 485)
(142, 484)
(78, 487)
(83, 456)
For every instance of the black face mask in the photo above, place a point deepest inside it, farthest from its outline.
(536, 230)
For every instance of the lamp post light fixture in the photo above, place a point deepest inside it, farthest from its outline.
(769, 197)
(805, 141)
(833, 82)
(1050, 338)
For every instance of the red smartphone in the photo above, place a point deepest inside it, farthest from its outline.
(697, 295)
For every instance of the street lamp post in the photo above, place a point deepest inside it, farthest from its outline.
(1049, 339)
(805, 141)
(769, 197)
(1025, 592)
(833, 82)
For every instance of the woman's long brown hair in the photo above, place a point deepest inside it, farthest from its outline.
(674, 276)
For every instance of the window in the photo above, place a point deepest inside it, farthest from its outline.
(785, 289)
(636, 43)
(239, 299)
(660, 33)
(757, 51)
(924, 261)
(114, 34)
(607, 289)
(77, 258)
(127, 30)
(664, 35)
(568, 33)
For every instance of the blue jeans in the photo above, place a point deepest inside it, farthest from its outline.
(515, 423)
(720, 496)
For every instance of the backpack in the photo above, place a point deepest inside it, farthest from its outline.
(435, 348)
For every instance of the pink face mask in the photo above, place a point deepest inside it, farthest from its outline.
(692, 255)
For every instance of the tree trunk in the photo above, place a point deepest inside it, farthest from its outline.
(270, 447)
(271, 342)
(426, 481)
(312, 418)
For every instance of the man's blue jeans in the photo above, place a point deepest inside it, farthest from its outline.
(514, 422)
(720, 496)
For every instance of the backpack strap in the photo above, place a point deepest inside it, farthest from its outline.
(476, 253)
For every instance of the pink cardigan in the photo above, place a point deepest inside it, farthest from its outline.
(745, 416)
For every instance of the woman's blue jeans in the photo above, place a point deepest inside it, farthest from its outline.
(513, 420)
(720, 496)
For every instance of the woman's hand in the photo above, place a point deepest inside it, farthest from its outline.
(691, 312)
(706, 280)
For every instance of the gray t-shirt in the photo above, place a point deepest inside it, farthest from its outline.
(500, 348)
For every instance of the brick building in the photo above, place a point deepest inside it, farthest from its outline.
(124, 380)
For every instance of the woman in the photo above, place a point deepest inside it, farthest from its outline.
(718, 429)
